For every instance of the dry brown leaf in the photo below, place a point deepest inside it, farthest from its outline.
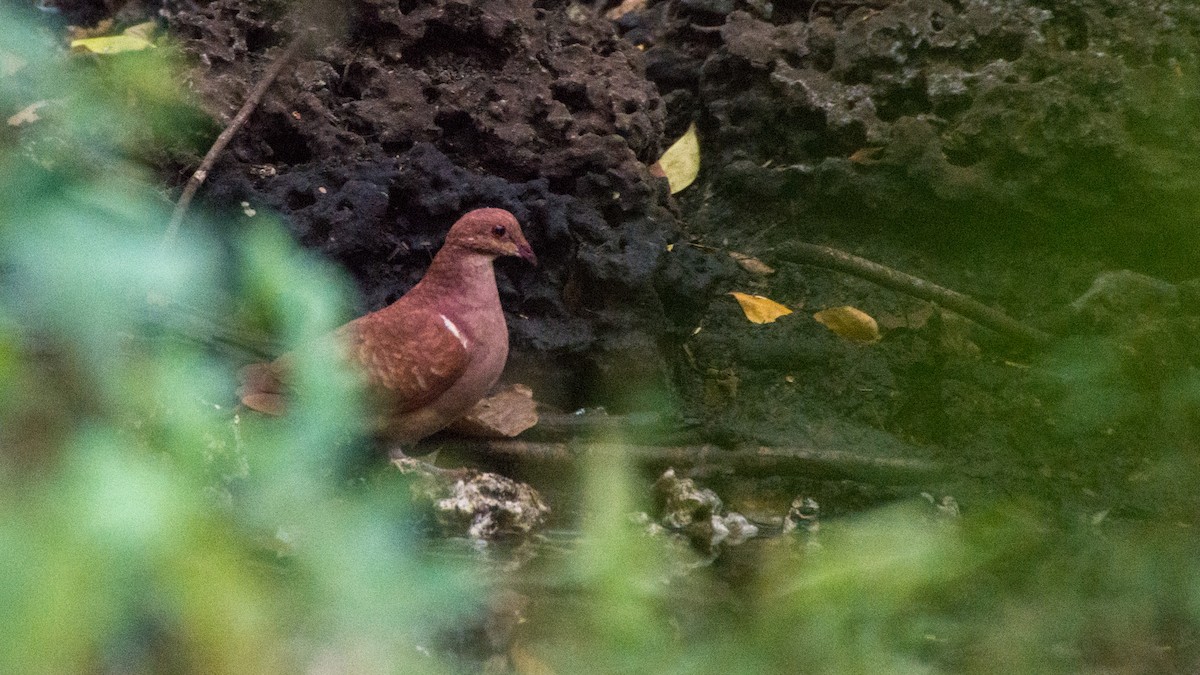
(28, 115)
(851, 323)
(624, 8)
(681, 162)
(751, 265)
(504, 414)
(865, 156)
(759, 309)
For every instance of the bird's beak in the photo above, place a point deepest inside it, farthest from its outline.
(526, 252)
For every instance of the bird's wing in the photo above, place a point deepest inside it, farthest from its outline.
(412, 361)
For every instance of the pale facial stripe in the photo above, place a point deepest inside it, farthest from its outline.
(450, 326)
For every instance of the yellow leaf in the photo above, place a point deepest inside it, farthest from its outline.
(681, 162)
(851, 323)
(759, 309)
(112, 44)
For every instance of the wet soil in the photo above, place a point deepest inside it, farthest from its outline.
(1011, 151)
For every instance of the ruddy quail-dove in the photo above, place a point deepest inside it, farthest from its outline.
(431, 355)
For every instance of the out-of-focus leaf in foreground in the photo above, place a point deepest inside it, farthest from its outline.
(145, 525)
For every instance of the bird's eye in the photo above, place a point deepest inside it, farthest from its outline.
(499, 230)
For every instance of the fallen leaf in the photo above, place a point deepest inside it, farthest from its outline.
(501, 415)
(851, 323)
(865, 156)
(752, 265)
(624, 8)
(681, 162)
(28, 115)
(759, 309)
(133, 39)
(113, 44)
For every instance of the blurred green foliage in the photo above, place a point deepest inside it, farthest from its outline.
(145, 526)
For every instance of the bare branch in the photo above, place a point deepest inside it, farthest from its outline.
(831, 258)
(807, 462)
(210, 158)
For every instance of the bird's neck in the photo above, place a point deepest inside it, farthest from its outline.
(462, 278)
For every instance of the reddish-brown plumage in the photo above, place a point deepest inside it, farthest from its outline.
(434, 353)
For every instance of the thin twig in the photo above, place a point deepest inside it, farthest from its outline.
(206, 165)
(807, 462)
(831, 258)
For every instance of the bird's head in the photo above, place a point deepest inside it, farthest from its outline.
(491, 232)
